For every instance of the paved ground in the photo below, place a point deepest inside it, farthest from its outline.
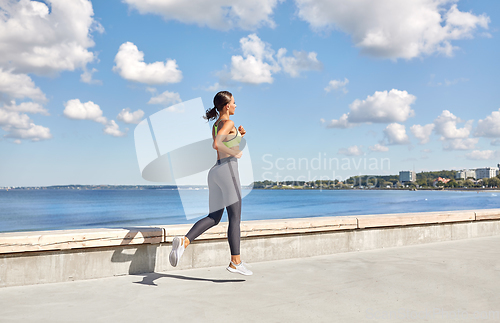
(457, 281)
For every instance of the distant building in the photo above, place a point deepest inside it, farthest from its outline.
(486, 172)
(407, 176)
(465, 173)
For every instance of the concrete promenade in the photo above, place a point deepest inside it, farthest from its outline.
(435, 282)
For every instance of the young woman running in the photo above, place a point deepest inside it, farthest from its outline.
(223, 184)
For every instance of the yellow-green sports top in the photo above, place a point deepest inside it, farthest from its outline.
(235, 141)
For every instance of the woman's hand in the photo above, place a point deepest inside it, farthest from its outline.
(242, 130)
(239, 154)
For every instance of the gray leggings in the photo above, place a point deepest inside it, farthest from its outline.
(224, 191)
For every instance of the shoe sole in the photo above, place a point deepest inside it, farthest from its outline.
(173, 258)
(232, 270)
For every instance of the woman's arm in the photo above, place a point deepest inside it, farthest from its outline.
(222, 134)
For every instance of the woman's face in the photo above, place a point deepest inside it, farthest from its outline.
(232, 106)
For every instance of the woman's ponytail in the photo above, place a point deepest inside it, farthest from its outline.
(211, 114)
(220, 100)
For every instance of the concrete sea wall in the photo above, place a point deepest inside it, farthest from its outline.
(28, 258)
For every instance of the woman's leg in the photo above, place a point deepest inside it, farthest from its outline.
(204, 224)
(233, 230)
(216, 207)
(234, 234)
(232, 194)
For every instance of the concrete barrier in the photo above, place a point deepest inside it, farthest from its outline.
(75, 239)
(55, 256)
(391, 220)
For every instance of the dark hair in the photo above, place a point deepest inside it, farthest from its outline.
(220, 100)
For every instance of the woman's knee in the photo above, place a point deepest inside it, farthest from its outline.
(216, 216)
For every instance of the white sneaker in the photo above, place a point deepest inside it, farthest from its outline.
(177, 251)
(240, 269)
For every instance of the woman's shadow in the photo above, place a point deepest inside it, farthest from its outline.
(149, 279)
(142, 257)
(142, 260)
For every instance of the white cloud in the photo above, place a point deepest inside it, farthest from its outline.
(29, 107)
(259, 62)
(33, 132)
(337, 85)
(394, 28)
(166, 98)
(130, 117)
(454, 138)
(20, 126)
(13, 119)
(460, 144)
(36, 39)
(483, 154)
(213, 88)
(395, 134)
(301, 61)
(74, 109)
(131, 66)
(495, 142)
(17, 124)
(351, 151)
(18, 86)
(86, 77)
(250, 70)
(112, 129)
(341, 123)
(422, 133)
(378, 147)
(446, 126)
(216, 14)
(381, 107)
(490, 126)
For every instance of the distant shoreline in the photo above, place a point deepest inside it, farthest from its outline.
(201, 187)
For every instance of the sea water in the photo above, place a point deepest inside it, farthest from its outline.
(28, 210)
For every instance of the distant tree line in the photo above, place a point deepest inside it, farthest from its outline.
(424, 180)
(433, 175)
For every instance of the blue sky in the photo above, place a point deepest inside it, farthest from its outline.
(370, 87)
